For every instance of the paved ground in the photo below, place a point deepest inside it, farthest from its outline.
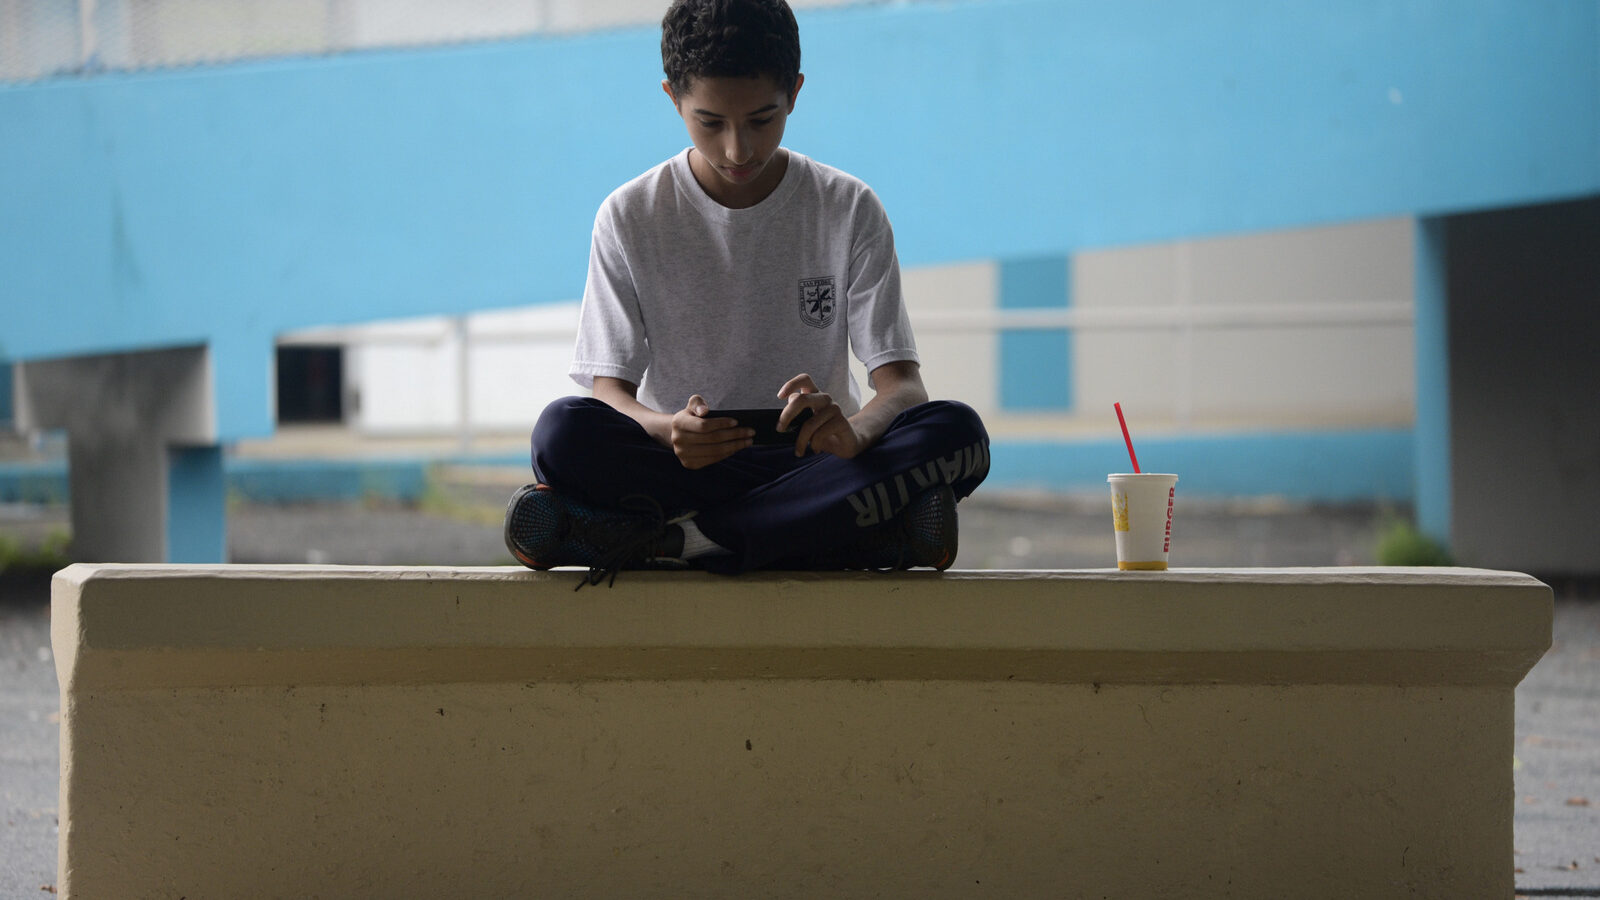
(29, 757)
(1558, 705)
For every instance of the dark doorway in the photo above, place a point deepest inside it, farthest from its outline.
(310, 385)
(6, 414)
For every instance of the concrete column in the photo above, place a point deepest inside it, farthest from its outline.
(144, 465)
(117, 482)
(1431, 458)
(1524, 321)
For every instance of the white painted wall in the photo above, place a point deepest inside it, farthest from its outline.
(405, 376)
(1253, 375)
(957, 363)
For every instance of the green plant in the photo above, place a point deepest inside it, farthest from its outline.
(439, 499)
(56, 545)
(1402, 544)
(50, 555)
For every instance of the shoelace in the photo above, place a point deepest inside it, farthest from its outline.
(644, 545)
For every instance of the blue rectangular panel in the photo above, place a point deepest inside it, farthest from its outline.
(196, 506)
(1036, 364)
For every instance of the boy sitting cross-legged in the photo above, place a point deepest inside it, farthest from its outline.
(741, 274)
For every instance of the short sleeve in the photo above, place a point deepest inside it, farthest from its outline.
(880, 329)
(611, 333)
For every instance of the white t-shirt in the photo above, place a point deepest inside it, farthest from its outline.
(687, 296)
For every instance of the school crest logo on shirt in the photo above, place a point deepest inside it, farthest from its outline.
(818, 301)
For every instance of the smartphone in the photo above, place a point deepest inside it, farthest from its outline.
(764, 421)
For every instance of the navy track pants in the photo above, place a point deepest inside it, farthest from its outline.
(764, 504)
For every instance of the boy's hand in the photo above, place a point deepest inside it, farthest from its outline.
(699, 442)
(828, 430)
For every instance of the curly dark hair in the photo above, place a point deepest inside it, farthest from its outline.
(730, 39)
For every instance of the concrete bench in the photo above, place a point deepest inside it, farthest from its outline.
(301, 731)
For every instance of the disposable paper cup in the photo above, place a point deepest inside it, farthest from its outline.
(1141, 513)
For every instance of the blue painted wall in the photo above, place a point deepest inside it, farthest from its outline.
(1036, 364)
(1307, 466)
(225, 205)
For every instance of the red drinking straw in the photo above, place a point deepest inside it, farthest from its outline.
(1126, 439)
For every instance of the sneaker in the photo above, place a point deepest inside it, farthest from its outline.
(544, 529)
(924, 534)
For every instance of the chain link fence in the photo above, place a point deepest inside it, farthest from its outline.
(47, 38)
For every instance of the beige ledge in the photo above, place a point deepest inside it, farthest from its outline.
(302, 731)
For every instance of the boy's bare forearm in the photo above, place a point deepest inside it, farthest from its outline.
(898, 388)
(622, 396)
